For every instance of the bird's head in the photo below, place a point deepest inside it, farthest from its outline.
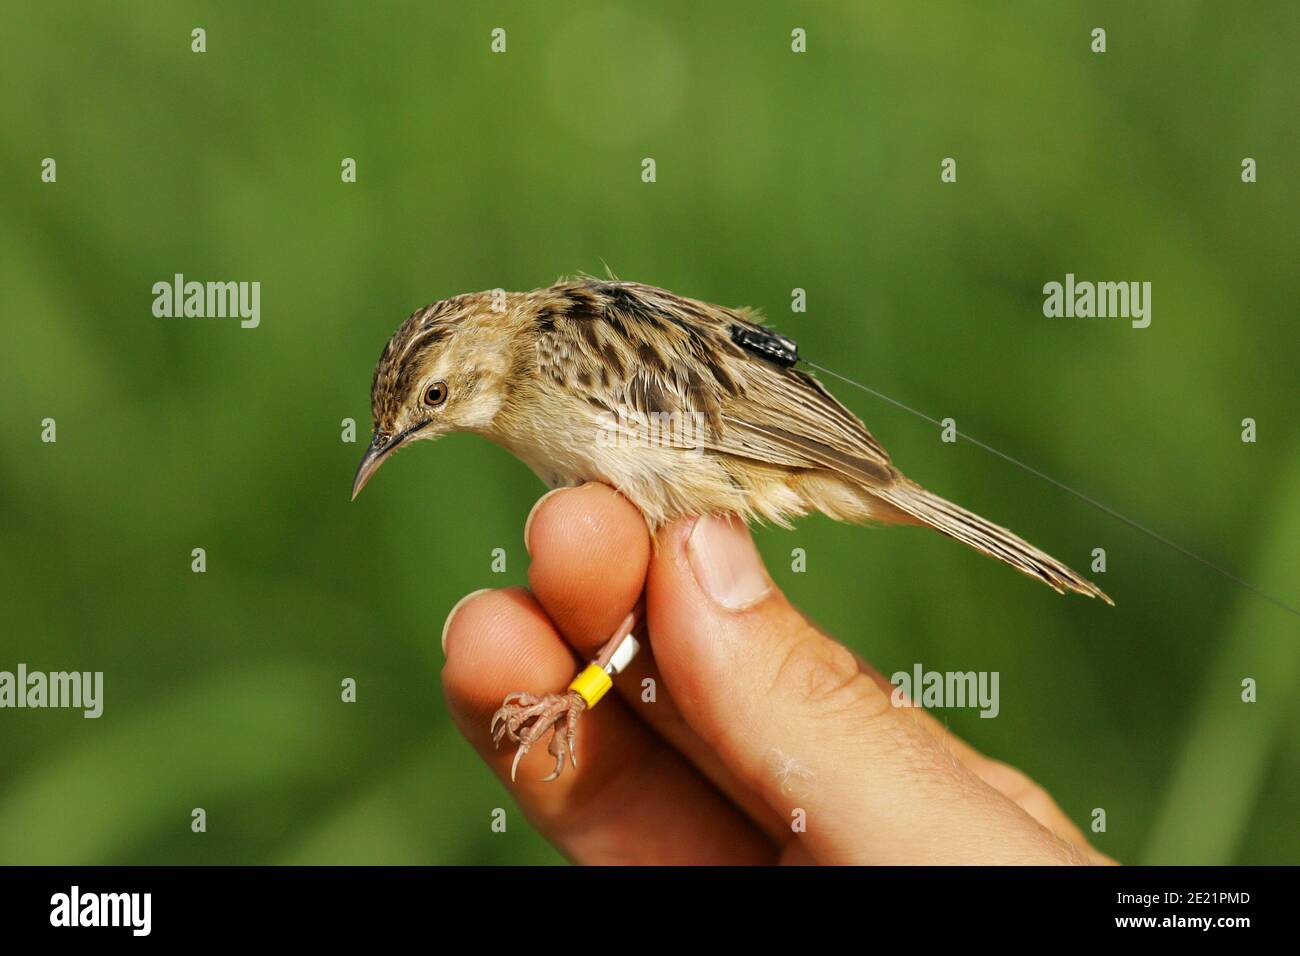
(445, 370)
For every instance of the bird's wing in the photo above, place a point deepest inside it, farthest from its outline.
(642, 351)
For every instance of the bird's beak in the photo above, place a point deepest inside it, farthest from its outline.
(377, 452)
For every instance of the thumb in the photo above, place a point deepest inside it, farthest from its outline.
(794, 717)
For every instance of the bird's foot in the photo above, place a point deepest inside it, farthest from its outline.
(524, 719)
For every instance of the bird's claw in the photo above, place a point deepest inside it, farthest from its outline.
(514, 711)
(524, 719)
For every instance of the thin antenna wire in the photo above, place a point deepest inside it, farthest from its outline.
(1064, 487)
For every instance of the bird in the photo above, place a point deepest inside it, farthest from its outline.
(685, 407)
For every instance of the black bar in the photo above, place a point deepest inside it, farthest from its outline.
(504, 907)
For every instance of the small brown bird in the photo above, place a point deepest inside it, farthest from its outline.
(686, 408)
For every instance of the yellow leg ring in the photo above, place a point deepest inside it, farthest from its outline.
(592, 684)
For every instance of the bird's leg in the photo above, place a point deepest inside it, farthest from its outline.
(524, 719)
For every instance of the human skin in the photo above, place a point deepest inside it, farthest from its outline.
(760, 722)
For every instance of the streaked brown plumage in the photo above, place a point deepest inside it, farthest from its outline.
(647, 391)
(650, 392)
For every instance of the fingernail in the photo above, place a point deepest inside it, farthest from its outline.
(446, 626)
(726, 563)
(528, 524)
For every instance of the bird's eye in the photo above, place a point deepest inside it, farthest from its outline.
(435, 394)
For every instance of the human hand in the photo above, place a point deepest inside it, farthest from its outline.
(758, 719)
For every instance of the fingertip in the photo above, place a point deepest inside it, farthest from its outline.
(590, 550)
(709, 597)
(726, 565)
(451, 615)
(592, 510)
(537, 507)
(500, 642)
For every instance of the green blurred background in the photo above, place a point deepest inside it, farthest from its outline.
(775, 171)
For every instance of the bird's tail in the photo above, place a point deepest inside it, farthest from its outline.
(969, 528)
